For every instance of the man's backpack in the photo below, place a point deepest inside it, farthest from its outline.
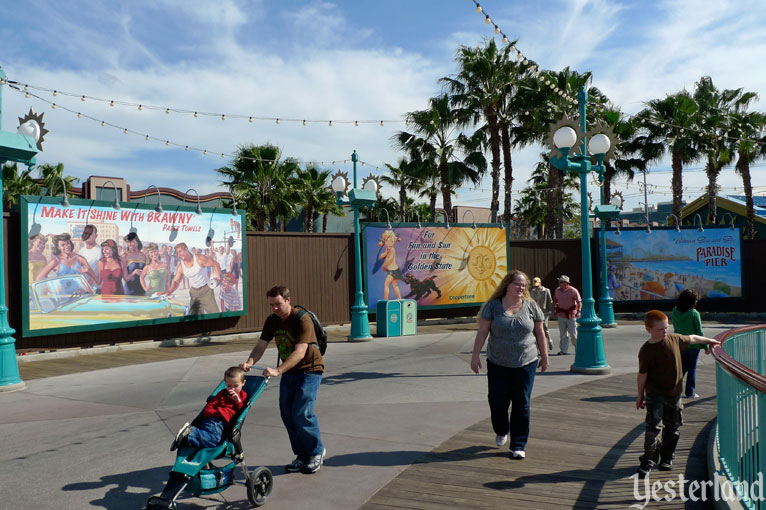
(319, 331)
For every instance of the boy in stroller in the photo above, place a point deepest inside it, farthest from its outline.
(213, 435)
(217, 413)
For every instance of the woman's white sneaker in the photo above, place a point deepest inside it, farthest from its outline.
(518, 454)
(501, 440)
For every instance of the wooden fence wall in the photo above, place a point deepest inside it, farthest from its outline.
(319, 271)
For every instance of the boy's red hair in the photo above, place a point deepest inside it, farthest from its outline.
(653, 317)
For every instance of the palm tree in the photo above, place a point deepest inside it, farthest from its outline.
(545, 106)
(16, 184)
(403, 177)
(438, 138)
(312, 191)
(485, 75)
(52, 175)
(751, 146)
(261, 179)
(714, 120)
(668, 123)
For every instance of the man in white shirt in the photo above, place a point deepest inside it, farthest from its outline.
(91, 251)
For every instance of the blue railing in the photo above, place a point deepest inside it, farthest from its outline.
(740, 371)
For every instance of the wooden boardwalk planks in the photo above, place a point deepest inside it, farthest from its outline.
(583, 449)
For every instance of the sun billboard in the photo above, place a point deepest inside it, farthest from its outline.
(436, 265)
(87, 265)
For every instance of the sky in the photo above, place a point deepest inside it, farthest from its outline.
(343, 61)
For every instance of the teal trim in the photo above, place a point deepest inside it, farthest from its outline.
(131, 206)
(741, 408)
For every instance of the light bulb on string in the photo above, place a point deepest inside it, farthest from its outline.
(125, 131)
(167, 111)
(356, 123)
(53, 105)
(497, 29)
(167, 143)
(277, 120)
(82, 99)
(111, 103)
(250, 120)
(204, 153)
(304, 122)
(26, 95)
(223, 117)
(186, 148)
(195, 115)
(381, 123)
(54, 93)
(478, 8)
(329, 123)
(487, 21)
(147, 138)
(505, 39)
(103, 123)
(79, 115)
(140, 108)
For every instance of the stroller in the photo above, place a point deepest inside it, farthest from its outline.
(195, 472)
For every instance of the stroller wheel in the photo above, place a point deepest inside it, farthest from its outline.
(259, 485)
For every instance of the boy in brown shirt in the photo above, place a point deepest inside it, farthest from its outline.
(659, 390)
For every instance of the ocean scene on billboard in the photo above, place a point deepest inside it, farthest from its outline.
(434, 265)
(660, 264)
(91, 266)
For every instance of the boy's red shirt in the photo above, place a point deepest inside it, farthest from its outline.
(223, 407)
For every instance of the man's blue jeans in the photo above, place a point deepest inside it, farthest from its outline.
(297, 395)
(511, 387)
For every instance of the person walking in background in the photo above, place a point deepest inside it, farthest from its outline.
(567, 304)
(514, 324)
(686, 321)
(542, 297)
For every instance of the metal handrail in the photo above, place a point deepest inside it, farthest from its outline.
(741, 392)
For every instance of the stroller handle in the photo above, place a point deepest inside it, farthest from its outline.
(260, 368)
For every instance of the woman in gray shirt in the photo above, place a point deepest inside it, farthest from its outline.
(514, 324)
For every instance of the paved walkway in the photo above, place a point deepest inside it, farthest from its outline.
(99, 438)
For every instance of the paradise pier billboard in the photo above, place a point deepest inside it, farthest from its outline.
(659, 263)
(87, 265)
(438, 266)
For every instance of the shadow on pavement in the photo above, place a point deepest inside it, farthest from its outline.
(127, 490)
(363, 376)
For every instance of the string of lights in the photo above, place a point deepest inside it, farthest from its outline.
(171, 143)
(25, 87)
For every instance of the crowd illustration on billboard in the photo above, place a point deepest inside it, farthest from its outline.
(89, 265)
(434, 265)
(659, 264)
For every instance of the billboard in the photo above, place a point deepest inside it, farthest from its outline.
(436, 265)
(659, 264)
(87, 265)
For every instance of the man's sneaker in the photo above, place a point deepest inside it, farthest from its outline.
(181, 436)
(501, 440)
(643, 470)
(315, 462)
(665, 465)
(296, 465)
(693, 395)
(518, 454)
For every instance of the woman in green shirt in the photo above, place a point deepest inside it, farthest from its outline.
(686, 321)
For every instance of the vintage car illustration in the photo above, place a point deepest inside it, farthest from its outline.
(69, 300)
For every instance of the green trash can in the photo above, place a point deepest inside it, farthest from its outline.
(389, 317)
(409, 317)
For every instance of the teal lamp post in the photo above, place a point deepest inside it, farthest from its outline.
(20, 147)
(605, 212)
(357, 198)
(590, 357)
